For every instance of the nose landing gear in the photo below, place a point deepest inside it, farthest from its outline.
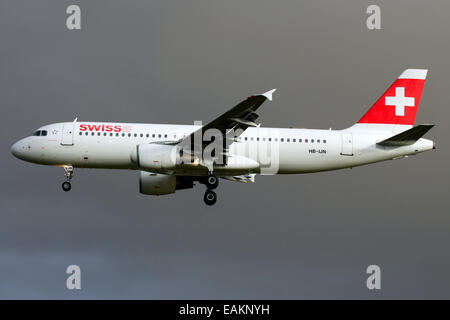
(68, 172)
(66, 186)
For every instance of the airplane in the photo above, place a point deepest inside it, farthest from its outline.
(174, 157)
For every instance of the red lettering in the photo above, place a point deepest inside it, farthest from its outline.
(94, 127)
(100, 127)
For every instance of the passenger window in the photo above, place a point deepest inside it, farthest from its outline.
(165, 136)
(264, 139)
(111, 134)
(135, 134)
(104, 134)
(251, 138)
(147, 135)
(318, 140)
(159, 136)
(270, 139)
(98, 133)
(282, 139)
(129, 135)
(324, 141)
(117, 134)
(92, 133)
(153, 135)
(142, 135)
(246, 138)
(288, 140)
(293, 140)
(299, 140)
(257, 139)
(80, 133)
(306, 140)
(86, 133)
(312, 140)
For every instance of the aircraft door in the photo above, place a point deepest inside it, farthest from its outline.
(347, 144)
(67, 134)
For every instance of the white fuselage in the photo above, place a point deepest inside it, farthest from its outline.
(275, 150)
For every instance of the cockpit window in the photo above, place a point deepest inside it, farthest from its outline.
(40, 133)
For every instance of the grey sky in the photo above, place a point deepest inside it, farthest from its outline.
(303, 236)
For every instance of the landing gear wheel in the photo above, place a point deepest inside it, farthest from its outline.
(211, 182)
(210, 197)
(66, 186)
(68, 172)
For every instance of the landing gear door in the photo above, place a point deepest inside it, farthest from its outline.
(67, 134)
(347, 144)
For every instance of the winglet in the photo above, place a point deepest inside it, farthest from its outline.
(268, 94)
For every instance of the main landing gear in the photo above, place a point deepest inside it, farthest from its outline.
(68, 172)
(211, 182)
(210, 197)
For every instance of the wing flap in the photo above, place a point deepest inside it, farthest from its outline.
(242, 179)
(245, 122)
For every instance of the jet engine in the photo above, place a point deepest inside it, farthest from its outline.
(159, 184)
(154, 157)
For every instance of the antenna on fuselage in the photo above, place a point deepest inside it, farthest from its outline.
(75, 120)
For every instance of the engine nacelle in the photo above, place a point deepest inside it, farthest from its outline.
(241, 163)
(154, 157)
(159, 184)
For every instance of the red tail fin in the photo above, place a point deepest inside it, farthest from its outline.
(398, 105)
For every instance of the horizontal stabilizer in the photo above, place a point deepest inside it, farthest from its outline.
(407, 137)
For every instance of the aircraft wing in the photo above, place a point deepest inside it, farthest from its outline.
(240, 116)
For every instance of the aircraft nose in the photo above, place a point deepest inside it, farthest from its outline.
(18, 150)
(15, 149)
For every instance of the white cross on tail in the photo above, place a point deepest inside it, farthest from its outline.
(399, 101)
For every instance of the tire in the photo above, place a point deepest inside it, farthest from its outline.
(66, 186)
(210, 197)
(211, 182)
